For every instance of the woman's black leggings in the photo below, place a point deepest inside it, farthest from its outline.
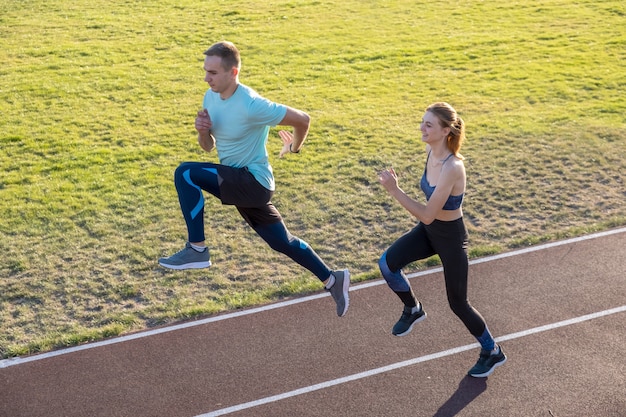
(449, 240)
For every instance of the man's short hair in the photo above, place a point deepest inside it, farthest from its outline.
(228, 52)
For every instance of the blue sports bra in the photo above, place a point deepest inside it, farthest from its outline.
(454, 201)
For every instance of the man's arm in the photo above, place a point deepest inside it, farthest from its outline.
(300, 121)
(206, 141)
(203, 126)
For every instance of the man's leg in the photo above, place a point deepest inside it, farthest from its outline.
(268, 224)
(190, 179)
(278, 238)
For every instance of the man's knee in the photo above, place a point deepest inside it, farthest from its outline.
(279, 239)
(287, 245)
(185, 166)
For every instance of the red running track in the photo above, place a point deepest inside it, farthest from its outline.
(558, 310)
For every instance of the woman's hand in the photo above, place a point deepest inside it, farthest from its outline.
(389, 179)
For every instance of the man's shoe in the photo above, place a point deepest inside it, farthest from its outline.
(188, 258)
(487, 363)
(339, 291)
(407, 320)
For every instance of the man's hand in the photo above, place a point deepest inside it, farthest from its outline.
(300, 121)
(203, 126)
(203, 122)
(287, 138)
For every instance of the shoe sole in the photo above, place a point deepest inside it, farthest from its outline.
(490, 371)
(345, 290)
(410, 327)
(192, 265)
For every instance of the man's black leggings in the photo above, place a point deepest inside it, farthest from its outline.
(238, 187)
(449, 240)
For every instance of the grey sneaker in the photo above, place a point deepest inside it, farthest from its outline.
(407, 320)
(188, 258)
(339, 291)
(487, 363)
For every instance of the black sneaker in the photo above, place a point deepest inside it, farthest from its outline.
(487, 363)
(407, 320)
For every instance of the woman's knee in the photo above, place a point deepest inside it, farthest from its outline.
(459, 305)
(395, 279)
(469, 316)
(460, 309)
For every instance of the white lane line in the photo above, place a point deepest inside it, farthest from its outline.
(5, 363)
(403, 364)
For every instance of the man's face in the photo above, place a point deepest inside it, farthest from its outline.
(216, 76)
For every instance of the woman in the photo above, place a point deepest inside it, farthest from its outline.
(440, 231)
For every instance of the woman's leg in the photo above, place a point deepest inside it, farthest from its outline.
(410, 247)
(450, 240)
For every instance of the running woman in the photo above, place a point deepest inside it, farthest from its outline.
(236, 121)
(441, 230)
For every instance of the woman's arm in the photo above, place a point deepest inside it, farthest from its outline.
(426, 213)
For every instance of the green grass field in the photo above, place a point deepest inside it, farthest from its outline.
(98, 100)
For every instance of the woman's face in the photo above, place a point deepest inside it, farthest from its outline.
(431, 129)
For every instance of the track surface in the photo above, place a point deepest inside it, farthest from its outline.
(559, 311)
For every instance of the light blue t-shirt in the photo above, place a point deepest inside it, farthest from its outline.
(241, 124)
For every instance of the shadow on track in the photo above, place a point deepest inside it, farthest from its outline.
(469, 389)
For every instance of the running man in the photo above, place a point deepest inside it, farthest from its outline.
(236, 120)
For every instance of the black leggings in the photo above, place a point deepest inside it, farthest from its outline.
(449, 240)
(238, 187)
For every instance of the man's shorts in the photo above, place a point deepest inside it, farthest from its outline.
(239, 188)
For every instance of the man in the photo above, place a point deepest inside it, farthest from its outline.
(236, 121)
